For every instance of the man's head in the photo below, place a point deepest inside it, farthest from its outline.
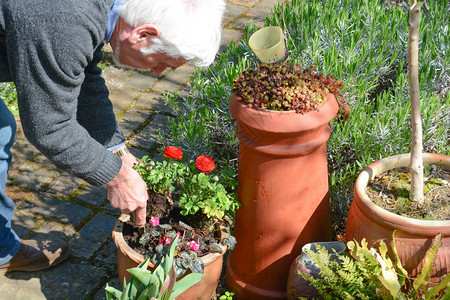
(155, 34)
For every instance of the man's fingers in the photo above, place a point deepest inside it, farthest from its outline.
(140, 214)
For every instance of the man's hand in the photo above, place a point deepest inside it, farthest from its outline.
(128, 192)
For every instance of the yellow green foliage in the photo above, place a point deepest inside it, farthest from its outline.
(364, 273)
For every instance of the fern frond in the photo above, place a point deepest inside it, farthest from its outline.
(433, 292)
(424, 276)
(403, 274)
(447, 292)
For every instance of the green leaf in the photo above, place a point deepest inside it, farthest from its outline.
(144, 294)
(434, 291)
(144, 276)
(168, 284)
(216, 248)
(436, 181)
(447, 292)
(168, 262)
(111, 291)
(403, 273)
(126, 289)
(424, 277)
(196, 265)
(184, 283)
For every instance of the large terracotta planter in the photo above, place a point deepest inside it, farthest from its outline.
(413, 237)
(128, 258)
(283, 189)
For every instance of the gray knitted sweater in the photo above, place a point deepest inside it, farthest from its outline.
(50, 50)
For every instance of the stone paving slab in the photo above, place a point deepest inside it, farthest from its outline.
(72, 280)
(153, 102)
(64, 184)
(33, 178)
(92, 195)
(53, 204)
(24, 224)
(51, 230)
(148, 137)
(140, 80)
(92, 235)
(45, 205)
(133, 118)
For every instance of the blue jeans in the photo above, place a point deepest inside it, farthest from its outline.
(9, 241)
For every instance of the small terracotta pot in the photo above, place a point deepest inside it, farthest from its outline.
(297, 286)
(283, 189)
(128, 258)
(413, 237)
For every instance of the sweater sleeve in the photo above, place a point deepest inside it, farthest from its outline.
(48, 57)
(95, 111)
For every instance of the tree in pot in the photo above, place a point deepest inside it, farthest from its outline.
(283, 112)
(370, 221)
(187, 201)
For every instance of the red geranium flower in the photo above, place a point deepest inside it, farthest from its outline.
(205, 164)
(173, 152)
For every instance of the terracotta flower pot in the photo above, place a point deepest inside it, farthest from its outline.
(128, 258)
(413, 237)
(283, 189)
(297, 286)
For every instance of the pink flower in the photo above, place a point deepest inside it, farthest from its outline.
(194, 246)
(178, 234)
(168, 241)
(154, 221)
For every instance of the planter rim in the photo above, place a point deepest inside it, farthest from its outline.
(138, 258)
(375, 212)
(265, 119)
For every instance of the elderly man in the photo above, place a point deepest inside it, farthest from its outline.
(50, 50)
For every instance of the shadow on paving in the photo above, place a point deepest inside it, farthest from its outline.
(74, 279)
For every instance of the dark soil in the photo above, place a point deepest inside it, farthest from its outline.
(187, 233)
(159, 205)
(390, 191)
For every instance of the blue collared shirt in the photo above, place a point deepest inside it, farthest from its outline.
(113, 16)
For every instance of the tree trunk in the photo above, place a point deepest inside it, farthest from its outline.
(416, 165)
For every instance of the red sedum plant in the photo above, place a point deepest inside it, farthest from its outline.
(283, 87)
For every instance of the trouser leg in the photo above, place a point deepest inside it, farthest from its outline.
(9, 241)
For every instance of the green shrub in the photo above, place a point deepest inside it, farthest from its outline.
(9, 96)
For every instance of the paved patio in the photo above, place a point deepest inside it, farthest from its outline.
(54, 204)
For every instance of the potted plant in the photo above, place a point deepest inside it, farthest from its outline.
(186, 201)
(282, 113)
(368, 273)
(159, 284)
(374, 223)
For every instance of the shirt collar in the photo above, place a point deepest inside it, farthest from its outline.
(113, 16)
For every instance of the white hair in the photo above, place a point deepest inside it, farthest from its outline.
(189, 29)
